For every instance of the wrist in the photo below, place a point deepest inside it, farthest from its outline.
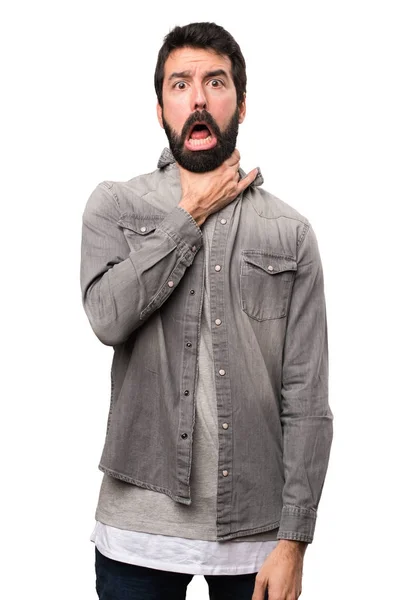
(294, 545)
(193, 208)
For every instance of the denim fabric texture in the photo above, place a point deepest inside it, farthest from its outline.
(121, 581)
(142, 273)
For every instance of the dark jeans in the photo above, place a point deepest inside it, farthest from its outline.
(121, 581)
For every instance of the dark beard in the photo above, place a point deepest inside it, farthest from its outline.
(200, 161)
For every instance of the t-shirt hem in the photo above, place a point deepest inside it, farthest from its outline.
(177, 568)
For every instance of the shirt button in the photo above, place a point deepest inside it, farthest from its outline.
(221, 372)
(223, 221)
(143, 229)
(186, 392)
(194, 248)
(225, 425)
(218, 321)
(184, 436)
(270, 268)
(191, 292)
(189, 344)
(217, 267)
(224, 473)
(171, 283)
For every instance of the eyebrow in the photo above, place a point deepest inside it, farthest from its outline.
(188, 74)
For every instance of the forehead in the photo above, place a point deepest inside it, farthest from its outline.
(196, 60)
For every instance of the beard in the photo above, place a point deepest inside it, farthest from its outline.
(200, 161)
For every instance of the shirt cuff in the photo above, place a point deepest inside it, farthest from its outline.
(183, 229)
(297, 524)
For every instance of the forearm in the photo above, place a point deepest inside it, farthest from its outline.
(122, 288)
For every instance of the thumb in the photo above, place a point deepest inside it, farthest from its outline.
(248, 180)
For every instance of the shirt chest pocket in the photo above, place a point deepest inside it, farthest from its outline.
(266, 282)
(138, 227)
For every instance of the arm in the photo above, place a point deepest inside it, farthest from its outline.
(307, 427)
(120, 288)
(305, 413)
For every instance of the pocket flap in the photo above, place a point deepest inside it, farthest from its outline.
(270, 263)
(140, 224)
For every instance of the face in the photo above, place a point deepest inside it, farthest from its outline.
(200, 113)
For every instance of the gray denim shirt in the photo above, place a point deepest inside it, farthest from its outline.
(142, 275)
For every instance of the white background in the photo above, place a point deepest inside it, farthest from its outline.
(78, 107)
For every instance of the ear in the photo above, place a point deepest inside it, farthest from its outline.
(159, 115)
(242, 109)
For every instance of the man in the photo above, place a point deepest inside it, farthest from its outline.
(210, 290)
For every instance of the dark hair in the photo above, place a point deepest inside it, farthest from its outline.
(207, 36)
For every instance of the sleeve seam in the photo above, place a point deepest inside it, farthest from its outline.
(303, 235)
(298, 510)
(112, 195)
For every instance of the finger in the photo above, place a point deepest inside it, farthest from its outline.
(246, 181)
(259, 592)
(234, 158)
(232, 162)
(232, 165)
(236, 153)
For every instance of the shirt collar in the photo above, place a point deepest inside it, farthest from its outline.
(167, 158)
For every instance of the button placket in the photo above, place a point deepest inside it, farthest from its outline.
(189, 367)
(221, 357)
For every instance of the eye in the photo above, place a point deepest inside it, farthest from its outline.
(216, 83)
(180, 85)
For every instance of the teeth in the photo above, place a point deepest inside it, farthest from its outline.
(206, 140)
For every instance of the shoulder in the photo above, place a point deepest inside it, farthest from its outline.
(285, 224)
(124, 196)
(269, 206)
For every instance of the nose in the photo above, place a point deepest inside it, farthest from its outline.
(199, 101)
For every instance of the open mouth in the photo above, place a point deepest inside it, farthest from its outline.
(200, 137)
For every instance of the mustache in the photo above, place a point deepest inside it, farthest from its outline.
(204, 117)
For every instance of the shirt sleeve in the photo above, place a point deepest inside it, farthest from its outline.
(122, 288)
(307, 420)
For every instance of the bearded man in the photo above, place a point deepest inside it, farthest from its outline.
(210, 290)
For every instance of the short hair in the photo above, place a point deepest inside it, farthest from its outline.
(208, 36)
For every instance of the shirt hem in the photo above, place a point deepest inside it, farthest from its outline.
(143, 484)
(170, 529)
(161, 529)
